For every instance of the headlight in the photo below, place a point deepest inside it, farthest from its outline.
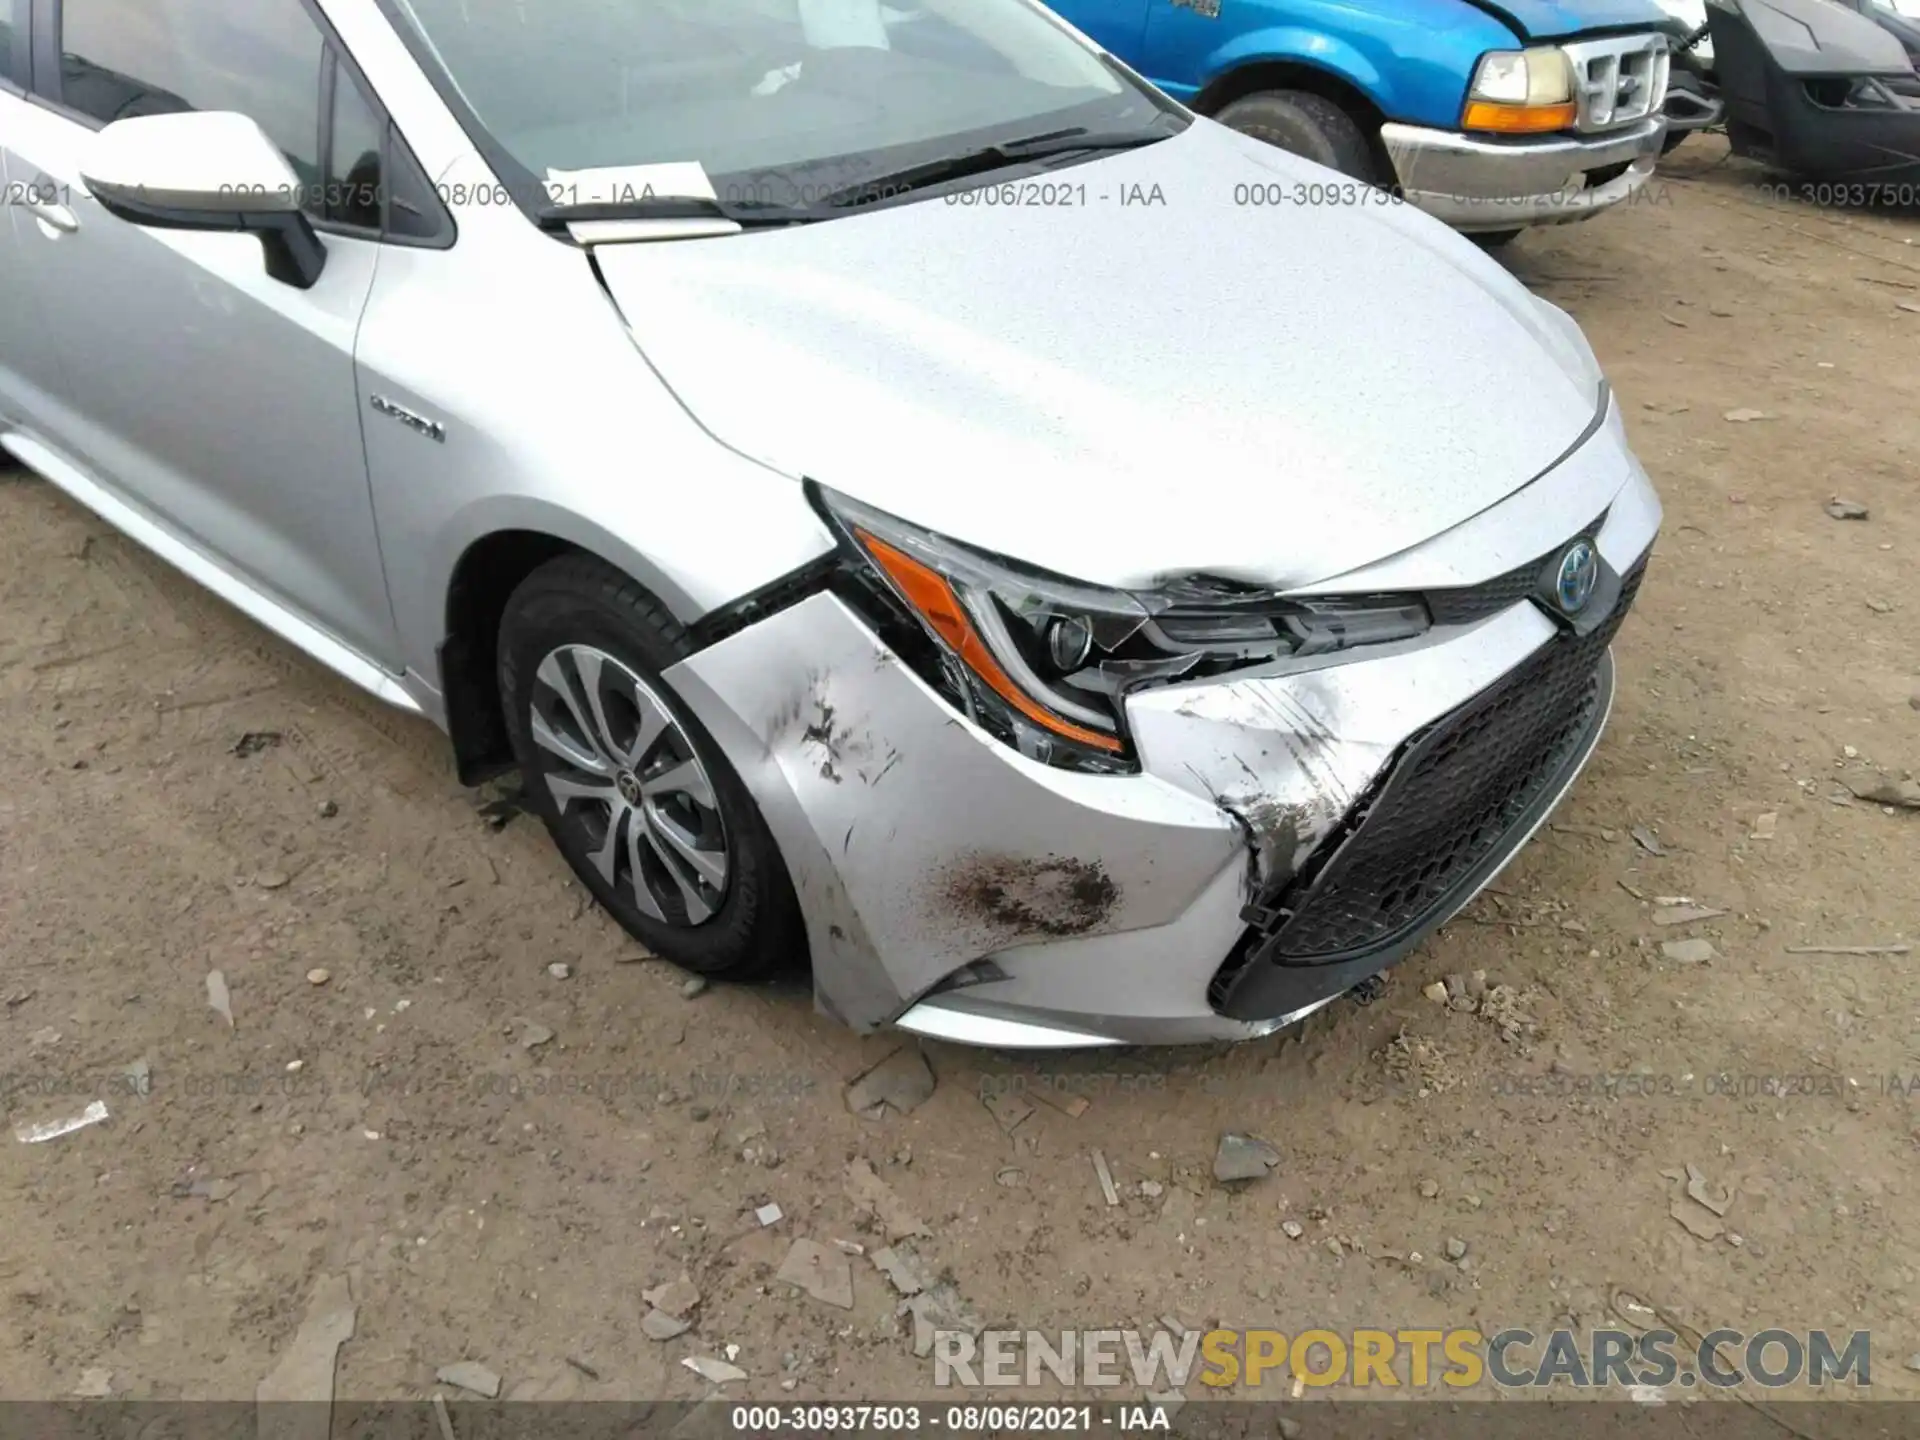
(1045, 663)
(1522, 92)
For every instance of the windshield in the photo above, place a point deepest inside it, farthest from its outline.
(771, 98)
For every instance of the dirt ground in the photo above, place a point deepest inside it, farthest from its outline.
(493, 1199)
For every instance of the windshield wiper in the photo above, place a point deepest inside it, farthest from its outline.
(745, 213)
(999, 156)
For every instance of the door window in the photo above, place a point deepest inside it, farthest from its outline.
(355, 148)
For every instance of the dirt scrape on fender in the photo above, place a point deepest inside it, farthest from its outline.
(1055, 896)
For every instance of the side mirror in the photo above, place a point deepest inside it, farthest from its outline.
(206, 170)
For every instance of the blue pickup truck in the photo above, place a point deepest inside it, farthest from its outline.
(1494, 115)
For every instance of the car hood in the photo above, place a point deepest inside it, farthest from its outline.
(1558, 19)
(1151, 377)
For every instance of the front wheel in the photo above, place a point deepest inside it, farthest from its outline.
(1494, 239)
(1307, 125)
(645, 808)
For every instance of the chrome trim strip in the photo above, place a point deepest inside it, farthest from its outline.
(965, 1027)
(345, 662)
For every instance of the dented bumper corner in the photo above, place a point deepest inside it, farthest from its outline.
(955, 888)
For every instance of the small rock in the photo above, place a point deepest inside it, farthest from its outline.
(658, 1325)
(676, 1298)
(96, 1383)
(719, 1372)
(789, 1384)
(139, 1076)
(1332, 1243)
(1688, 952)
(1152, 1189)
(1245, 1157)
(1292, 1229)
(1436, 992)
(902, 1269)
(328, 809)
(559, 970)
(1766, 825)
(1746, 417)
(318, 976)
(1884, 790)
(768, 1214)
(532, 1034)
(1456, 1249)
(903, 1081)
(1011, 1176)
(253, 742)
(273, 879)
(696, 986)
(1879, 606)
(1289, 1428)
(1430, 1189)
(1913, 1361)
(218, 998)
(1646, 840)
(1845, 509)
(470, 1375)
(1701, 1223)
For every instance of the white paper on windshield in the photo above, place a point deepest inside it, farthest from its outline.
(837, 24)
(624, 184)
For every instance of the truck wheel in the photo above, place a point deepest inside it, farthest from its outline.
(1307, 125)
(641, 802)
(1494, 239)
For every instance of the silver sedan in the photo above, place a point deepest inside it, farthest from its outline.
(868, 467)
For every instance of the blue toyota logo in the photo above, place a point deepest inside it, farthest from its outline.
(1579, 573)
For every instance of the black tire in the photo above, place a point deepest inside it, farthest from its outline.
(1675, 139)
(1494, 239)
(1307, 125)
(577, 600)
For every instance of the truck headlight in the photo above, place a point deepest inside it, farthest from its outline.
(1522, 92)
(1044, 663)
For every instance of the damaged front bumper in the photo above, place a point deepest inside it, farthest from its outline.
(1291, 833)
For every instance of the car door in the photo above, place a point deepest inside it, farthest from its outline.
(30, 376)
(1117, 25)
(200, 390)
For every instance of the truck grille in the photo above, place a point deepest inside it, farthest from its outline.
(1452, 798)
(1619, 79)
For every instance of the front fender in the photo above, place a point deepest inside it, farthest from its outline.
(1412, 62)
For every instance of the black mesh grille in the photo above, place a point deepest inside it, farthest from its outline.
(1450, 800)
(1490, 597)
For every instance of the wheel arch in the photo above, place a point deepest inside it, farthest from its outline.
(480, 581)
(1252, 76)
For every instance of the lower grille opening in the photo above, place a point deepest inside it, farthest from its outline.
(1442, 808)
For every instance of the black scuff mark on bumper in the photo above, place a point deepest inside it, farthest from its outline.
(1016, 897)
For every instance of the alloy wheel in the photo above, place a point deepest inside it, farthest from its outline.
(623, 771)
